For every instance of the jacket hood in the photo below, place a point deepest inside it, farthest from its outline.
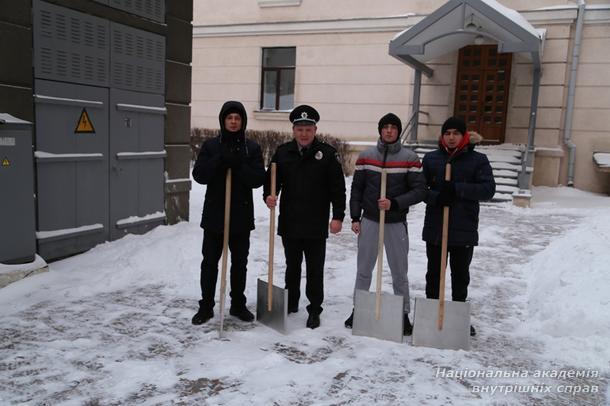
(233, 107)
(471, 140)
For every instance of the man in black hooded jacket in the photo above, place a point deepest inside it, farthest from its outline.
(471, 181)
(230, 149)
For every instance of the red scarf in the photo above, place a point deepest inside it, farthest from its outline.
(465, 141)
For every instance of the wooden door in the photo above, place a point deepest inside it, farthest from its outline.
(481, 94)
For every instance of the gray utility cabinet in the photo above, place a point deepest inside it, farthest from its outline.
(102, 178)
(17, 228)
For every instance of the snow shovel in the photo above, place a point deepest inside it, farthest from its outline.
(271, 301)
(225, 249)
(438, 324)
(378, 314)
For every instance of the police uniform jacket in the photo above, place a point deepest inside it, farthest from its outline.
(307, 183)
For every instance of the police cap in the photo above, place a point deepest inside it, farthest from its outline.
(304, 115)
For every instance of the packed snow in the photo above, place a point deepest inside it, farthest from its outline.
(112, 326)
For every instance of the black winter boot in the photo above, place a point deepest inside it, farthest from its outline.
(242, 313)
(202, 316)
(407, 328)
(313, 321)
(350, 320)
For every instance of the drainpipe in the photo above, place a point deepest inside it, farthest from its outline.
(567, 125)
(524, 178)
(416, 98)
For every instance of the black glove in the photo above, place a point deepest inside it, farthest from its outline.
(229, 157)
(446, 194)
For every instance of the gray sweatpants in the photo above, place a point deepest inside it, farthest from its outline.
(396, 243)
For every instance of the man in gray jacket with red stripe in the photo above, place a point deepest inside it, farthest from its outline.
(406, 186)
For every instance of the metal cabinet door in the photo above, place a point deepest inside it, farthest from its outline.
(17, 242)
(136, 162)
(70, 46)
(153, 9)
(138, 60)
(71, 167)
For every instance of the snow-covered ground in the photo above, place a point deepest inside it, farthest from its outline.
(112, 326)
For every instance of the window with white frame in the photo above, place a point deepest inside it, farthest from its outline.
(277, 82)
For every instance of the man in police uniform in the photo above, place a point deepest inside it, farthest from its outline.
(309, 179)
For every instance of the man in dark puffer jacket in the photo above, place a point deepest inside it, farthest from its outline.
(471, 181)
(232, 150)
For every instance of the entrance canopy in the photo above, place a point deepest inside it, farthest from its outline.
(465, 22)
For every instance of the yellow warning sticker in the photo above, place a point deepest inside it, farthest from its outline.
(6, 162)
(84, 124)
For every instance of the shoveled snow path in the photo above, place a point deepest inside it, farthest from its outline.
(112, 326)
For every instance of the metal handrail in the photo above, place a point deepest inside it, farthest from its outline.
(409, 127)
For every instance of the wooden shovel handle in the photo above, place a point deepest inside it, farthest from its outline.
(441, 291)
(271, 240)
(225, 246)
(380, 247)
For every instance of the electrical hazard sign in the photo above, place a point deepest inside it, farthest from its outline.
(6, 162)
(84, 125)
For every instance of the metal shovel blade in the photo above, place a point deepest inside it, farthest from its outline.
(277, 318)
(390, 324)
(455, 334)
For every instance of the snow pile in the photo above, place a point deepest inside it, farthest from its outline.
(32, 266)
(568, 293)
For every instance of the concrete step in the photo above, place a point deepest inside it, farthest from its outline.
(506, 181)
(506, 189)
(504, 147)
(505, 173)
(423, 149)
(505, 166)
(502, 197)
(501, 157)
(498, 151)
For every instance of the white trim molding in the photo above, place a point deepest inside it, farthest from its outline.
(279, 3)
(391, 24)
(557, 15)
(274, 115)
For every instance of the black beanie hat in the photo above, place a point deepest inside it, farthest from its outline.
(390, 118)
(455, 123)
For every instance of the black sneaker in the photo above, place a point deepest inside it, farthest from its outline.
(407, 328)
(350, 320)
(313, 321)
(473, 332)
(293, 309)
(202, 316)
(242, 313)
